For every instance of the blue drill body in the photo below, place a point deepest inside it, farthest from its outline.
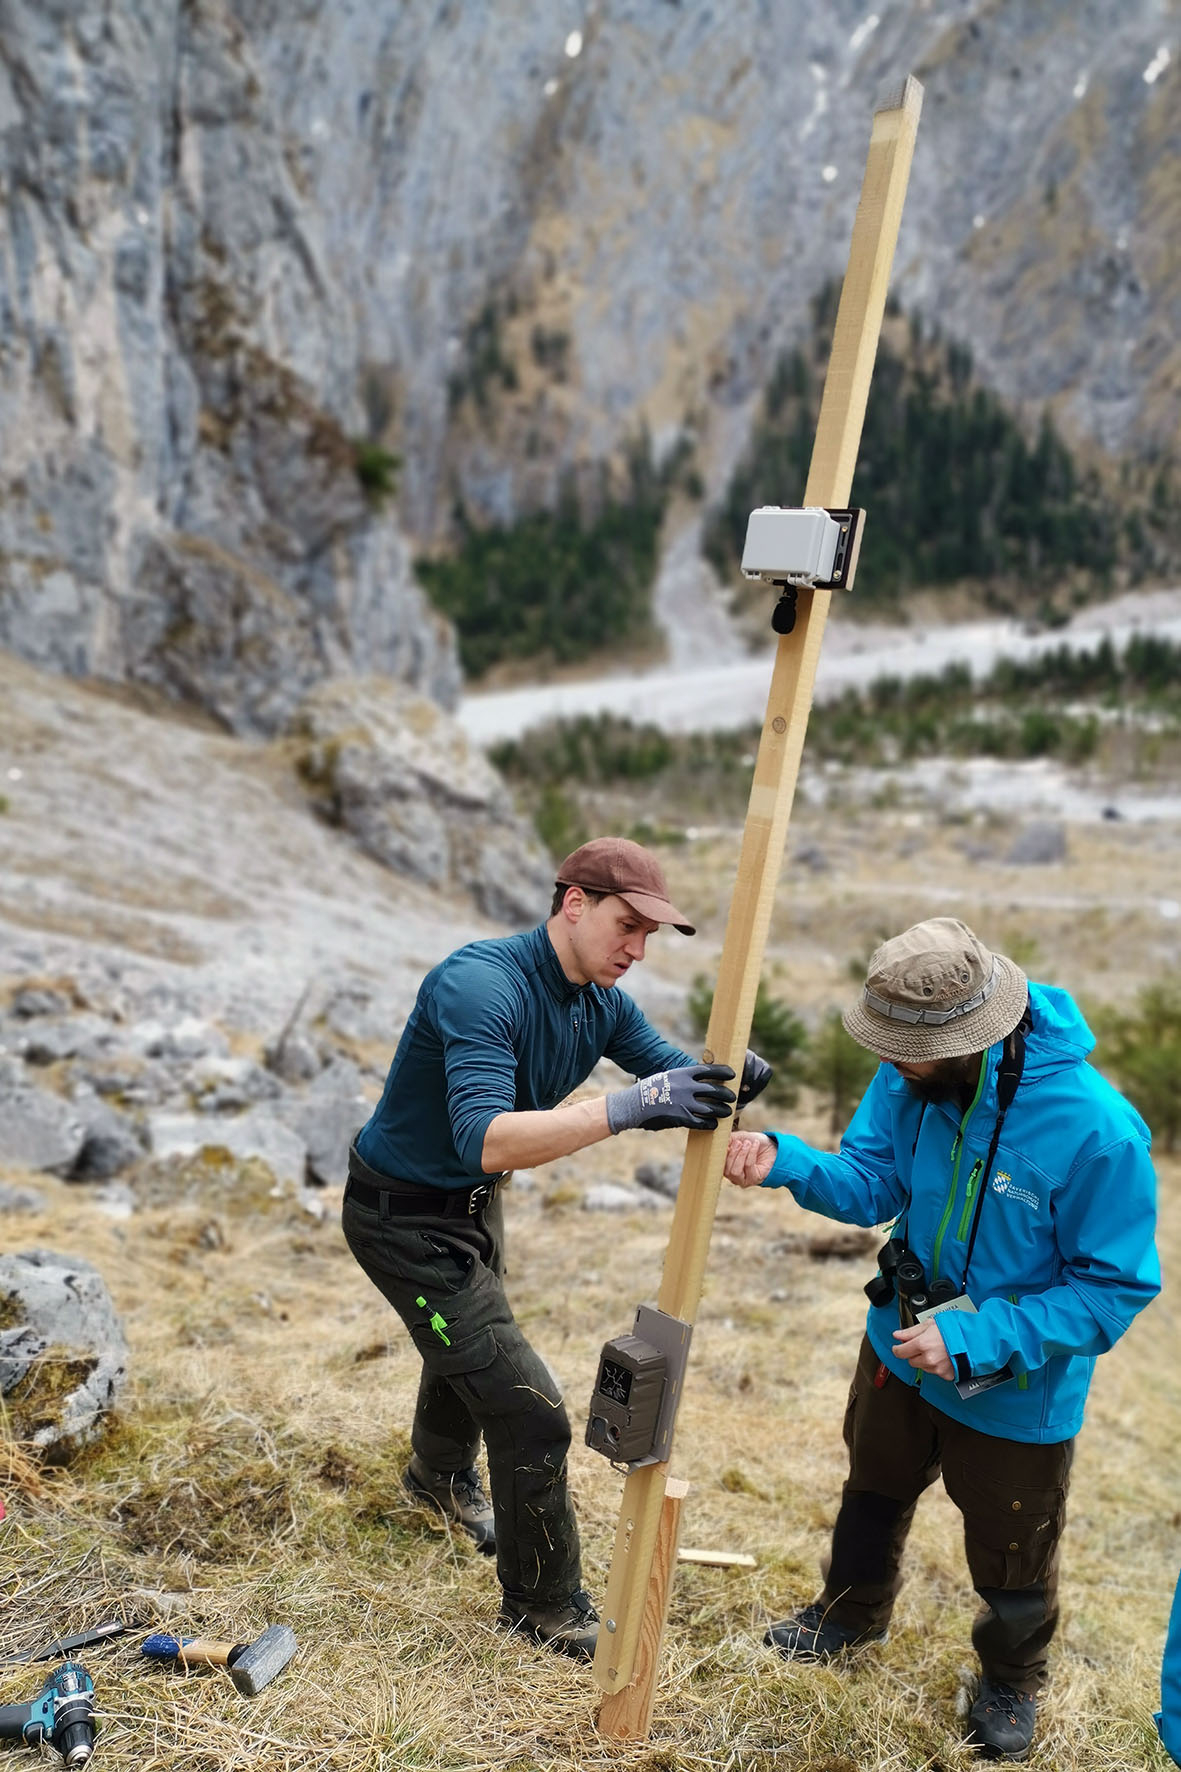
(62, 1714)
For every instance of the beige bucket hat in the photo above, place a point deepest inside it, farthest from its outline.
(936, 991)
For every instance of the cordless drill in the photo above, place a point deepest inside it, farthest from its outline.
(62, 1714)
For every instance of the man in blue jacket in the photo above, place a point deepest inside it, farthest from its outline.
(501, 1034)
(1021, 1195)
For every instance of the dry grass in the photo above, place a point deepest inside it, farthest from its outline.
(255, 1477)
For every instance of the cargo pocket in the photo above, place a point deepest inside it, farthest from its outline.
(468, 1352)
(455, 1330)
(1010, 1529)
(453, 1261)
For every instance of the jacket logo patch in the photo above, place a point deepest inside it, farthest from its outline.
(1003, 1184)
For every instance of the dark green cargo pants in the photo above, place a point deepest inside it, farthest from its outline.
(488, 1381)
(1012, 1496)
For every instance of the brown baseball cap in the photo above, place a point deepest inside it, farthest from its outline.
(616, 865)
(936, 991)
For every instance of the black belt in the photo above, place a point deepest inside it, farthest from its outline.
(381, 1193)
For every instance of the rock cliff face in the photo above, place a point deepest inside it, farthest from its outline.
(634, 230)
(238, 235)
(178, 390)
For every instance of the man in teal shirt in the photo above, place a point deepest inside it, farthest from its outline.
(502, 1033)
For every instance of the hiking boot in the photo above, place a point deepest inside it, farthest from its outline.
(1002, 1721)
(570, 1627)
(811, 1635)
(459, 1497)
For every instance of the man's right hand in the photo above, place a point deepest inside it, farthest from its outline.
(749, 1156)
(692, 1096)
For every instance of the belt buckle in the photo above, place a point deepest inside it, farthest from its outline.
(480, 1197)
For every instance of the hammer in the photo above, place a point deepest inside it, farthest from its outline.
(250, 1665)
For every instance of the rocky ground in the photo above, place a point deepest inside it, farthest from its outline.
(201, 945)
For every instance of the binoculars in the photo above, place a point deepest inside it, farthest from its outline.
(900, 1274)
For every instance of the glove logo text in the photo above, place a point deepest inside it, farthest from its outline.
(656, 1091)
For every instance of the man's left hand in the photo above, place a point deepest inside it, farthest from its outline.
(922, 1347)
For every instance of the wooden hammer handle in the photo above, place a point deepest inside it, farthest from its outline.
(210, 1653)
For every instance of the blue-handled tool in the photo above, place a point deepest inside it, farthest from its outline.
(250, 1665)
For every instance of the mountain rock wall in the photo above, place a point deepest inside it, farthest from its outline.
(634, 231)
(178, 497)
(499, 239)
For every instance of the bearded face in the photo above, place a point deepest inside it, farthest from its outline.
(943, 1079)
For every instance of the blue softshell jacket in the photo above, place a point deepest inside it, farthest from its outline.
(497, 1027)
(1168, 1719)
(1064, 1255)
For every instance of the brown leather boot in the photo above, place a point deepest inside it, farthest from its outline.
(570, 1627)
(459, 1497)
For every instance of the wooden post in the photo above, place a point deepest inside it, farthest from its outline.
(626, 1715)
(633, 1577)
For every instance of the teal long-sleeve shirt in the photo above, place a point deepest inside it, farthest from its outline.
(497, 1028)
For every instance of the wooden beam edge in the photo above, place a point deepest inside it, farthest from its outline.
(908, 97)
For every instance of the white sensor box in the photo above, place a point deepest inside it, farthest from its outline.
(790, 546)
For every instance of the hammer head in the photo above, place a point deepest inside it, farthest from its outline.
(252, 1664)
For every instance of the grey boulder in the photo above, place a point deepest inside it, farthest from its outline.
(110, 1142)
(21, 1199)
(1038, 844)
(660, 1178)
(38, 1130)
(327, 1125)
(256, 1134)
(608, 1196)
(63, 1354)
(402, 778)
(51, 1039)
(32, 1000)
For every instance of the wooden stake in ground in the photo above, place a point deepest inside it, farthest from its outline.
(645, 1547)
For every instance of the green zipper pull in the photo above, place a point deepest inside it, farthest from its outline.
(438, 1322)
(973, 1183)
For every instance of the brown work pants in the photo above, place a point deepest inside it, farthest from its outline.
(1012, 1496)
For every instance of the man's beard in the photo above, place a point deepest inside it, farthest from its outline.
(955, 1080)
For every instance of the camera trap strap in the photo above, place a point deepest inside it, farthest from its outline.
(1008, 1077)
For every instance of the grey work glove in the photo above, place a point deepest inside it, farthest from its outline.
(756, 1074)
(693, 1095)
